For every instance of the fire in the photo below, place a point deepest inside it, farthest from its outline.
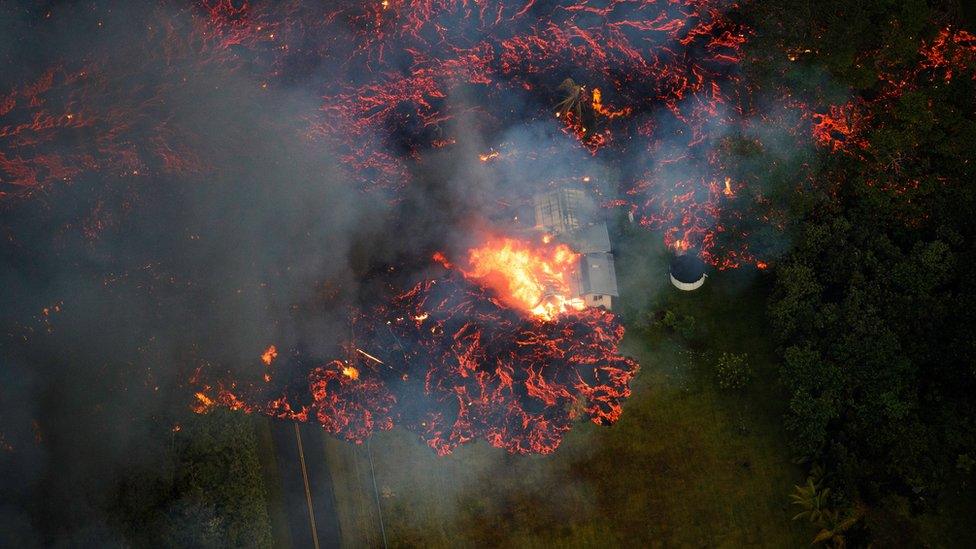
(487, 372)
(596, 101)
(529, 278)
(204, 403)
(485, 157)
(350, 372)
(269, 355)
(504, 352)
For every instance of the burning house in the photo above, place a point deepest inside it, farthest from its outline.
(564, 213)
(561, 210)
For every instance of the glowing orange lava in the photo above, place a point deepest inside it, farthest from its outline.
(596, 100)
(269, 355)
(350, 372)
(204, 403)
(534, 278)
(488, 156)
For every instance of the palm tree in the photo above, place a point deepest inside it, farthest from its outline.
(812, 500)
(833, 528)
(572, 104)
(816, 507)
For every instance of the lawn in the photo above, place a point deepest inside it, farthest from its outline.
(689, 464)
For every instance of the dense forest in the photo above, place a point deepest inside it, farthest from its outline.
(874, 301)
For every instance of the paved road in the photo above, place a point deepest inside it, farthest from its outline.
(305, 483)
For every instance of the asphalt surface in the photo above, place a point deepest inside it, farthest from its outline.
(296, 498)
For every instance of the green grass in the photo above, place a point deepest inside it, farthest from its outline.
(687, 465)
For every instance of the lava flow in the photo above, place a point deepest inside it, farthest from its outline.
(496, 347)
(470, 355)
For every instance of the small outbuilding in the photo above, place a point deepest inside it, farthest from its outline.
(687, 272)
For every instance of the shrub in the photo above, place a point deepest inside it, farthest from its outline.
(733, 371)
(683, 325)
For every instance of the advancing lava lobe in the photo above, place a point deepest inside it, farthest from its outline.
(490, 372)
(333, 395)
(451, 360)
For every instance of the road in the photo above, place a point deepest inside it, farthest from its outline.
(306, 485)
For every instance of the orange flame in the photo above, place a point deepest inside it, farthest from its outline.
(350, 372)
(596, 97)
(204, 403)
(269, 355)
(728, 186)
(534, 279)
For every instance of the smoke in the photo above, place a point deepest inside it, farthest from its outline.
(117, 282)
(189, 185)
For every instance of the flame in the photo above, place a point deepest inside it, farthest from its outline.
(269, 355)
(442, 259)
(488, 156)
(350, 372)
(596, 100)
(528, 278)
(204, 403)
(728, 187)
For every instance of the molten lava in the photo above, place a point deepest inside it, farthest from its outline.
(496, 351)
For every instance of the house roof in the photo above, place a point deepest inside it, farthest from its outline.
(597, 275)
(590, 239)
(562, 209)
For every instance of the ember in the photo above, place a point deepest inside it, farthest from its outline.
(269, 355)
